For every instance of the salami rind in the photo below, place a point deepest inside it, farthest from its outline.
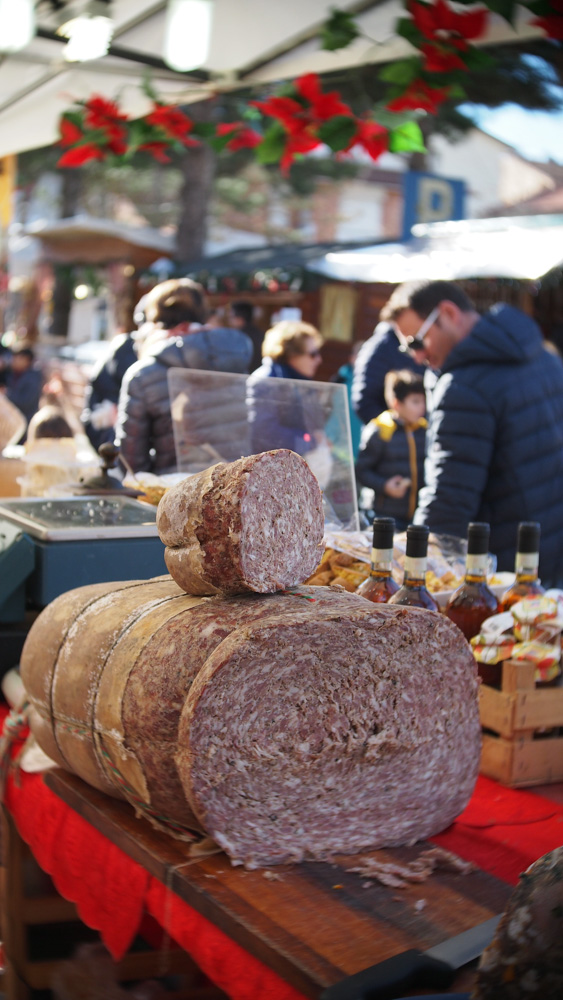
(253, 525)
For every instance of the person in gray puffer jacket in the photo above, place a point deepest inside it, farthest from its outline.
(494, 445)
(144, 432)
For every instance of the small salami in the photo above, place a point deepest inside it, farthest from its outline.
(253, 525)
(525, 959)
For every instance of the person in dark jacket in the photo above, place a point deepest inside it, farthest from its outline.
(494, 444)
(23, 383)
(144, 431)
(380, 354)
(102, 393)
(242, 318)
(280, 416)
(391, 459)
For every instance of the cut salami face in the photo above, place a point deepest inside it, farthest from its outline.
(254, 525)
(295, 725)
(303, 741)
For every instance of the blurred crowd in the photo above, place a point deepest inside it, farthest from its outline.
(453, 416)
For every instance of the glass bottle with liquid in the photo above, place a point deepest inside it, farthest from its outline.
(473, 601)
(413, 591)
(380, 585)
(526, 566)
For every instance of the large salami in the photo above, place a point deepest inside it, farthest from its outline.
(253, 525)
(295, 725)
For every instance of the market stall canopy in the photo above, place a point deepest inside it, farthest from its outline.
(524, 247)
(84, 240)
(251, 43)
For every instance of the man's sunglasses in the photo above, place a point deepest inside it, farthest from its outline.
(416, 343)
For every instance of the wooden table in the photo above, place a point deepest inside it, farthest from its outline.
(313, 923)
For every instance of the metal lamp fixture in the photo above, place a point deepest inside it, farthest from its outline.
(89, 31)
(17, 24)
(187, 33)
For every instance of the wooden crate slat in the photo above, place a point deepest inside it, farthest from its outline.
(516, 756)
(496, 710)
(538, 709)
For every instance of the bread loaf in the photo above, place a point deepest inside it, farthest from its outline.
(290, 726)
(253, 525)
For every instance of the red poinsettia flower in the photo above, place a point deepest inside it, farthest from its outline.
(419, 96)
(323, 106)
(552, 24)
(174, 122)
(302, 142)
(438, 21)
(81, 154)
(373, 137)
(285, 109)
(243, 136)
(156, 149)
(441, 59)
(100, 112)
(70, 133)
(302, 118)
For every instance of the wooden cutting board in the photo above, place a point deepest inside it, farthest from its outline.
(313, 923)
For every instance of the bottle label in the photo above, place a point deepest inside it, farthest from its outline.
(477, 565)
(382, 558)
(416, 568)
(527, 563)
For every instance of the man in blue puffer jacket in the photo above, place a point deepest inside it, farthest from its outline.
(494, 446)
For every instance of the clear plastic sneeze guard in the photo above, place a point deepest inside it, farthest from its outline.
(219, 417)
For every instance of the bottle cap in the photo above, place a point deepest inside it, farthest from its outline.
(478, 538)
(383, 531)
(528, 536)
(417, 541)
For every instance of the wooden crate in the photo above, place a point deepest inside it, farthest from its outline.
(517, 754)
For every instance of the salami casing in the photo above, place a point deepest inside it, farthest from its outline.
(287, 726)
(254, 525)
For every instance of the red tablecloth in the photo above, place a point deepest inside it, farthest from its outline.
(502, 830)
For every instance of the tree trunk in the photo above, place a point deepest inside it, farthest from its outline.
(198, 166)
(71, 193)
(419, 161)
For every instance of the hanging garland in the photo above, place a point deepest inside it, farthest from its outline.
(302, 116)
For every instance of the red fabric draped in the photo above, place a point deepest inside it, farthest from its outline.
(502, 830)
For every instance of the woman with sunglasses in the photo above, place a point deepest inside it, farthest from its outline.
(283, 414)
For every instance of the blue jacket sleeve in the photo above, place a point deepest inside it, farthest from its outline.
(459, 451)
(372, 450)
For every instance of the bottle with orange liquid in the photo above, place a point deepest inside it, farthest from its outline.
(473, 601)
(380, 585)
(526, 566)
(413, 592)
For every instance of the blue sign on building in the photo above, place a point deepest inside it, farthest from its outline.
(431, 198)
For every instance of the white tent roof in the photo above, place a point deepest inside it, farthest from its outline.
(512, 247)
(252, 42)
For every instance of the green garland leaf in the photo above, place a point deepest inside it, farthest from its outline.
(407, 139)
(504, 8)
(339, 31)
(338, 132)
(402, 72)
(272, 146)
(406, 28)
